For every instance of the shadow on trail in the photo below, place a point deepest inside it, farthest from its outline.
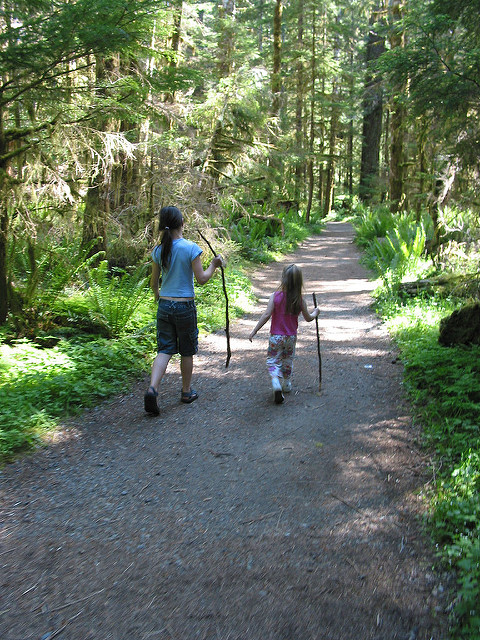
(234, 518)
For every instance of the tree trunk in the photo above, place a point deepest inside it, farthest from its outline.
(332, 139)
(226, 37)
(277, 59)
(97, 203)
(4, 223)
(127, 173)
(261, 6)
(299, 164)
(421, 199)
(350, 136)
(332, 151)
(177, 7)
(274, 160)
(349, 178)
(386, 156)
(311, 144)
(321, 115)
(397, 121)
(94, 220)
(397, 160)
(372, 116)
(177, 22)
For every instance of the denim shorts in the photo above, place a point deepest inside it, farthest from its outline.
(177, 330)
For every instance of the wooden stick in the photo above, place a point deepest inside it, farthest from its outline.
(347, 504)
(227, 319)
(318, 348)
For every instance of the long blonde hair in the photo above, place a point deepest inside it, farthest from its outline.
(292, 285)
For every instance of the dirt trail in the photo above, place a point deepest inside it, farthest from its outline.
(234, 518)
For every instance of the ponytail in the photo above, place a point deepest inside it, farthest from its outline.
(170, 219)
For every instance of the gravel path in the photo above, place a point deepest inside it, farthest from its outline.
(233, 518)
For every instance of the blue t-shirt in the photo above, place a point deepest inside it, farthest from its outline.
(177, 280)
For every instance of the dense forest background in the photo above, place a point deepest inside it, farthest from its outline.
(259, 119)
(109, 110)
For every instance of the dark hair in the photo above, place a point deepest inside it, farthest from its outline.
(170, 218)
(292, 284)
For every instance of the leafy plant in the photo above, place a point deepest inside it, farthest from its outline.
(40, 385)
(372, 223)
(41, 273)
(259, 240)
(401, 249)
(114, 298)
(456, 522)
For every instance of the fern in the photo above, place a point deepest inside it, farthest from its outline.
(113, 299)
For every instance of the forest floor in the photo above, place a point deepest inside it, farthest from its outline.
(233, 518)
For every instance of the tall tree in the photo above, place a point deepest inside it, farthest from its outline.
(398, 113)
(97, 200)
(440, 64)
(311, 133)
(41, 45)
(277, 59)
(276, 89)
(333, 126)
(299, 105)
(372, 111)
(226, 48)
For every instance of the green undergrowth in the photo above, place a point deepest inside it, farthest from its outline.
(443, 384)
(39, 386)
(263, 240)
(81, 361)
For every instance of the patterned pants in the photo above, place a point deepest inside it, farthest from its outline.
(280, 354)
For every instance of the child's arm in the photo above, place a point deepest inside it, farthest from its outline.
(306, 314)
(264, 317)
(154, 280)
(202, 276)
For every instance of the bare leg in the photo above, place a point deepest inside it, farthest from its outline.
(186, 369)
(158, 369)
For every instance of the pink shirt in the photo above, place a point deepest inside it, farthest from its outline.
(283, 324)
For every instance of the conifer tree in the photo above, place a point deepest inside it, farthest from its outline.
(372, 111)
(43, 46)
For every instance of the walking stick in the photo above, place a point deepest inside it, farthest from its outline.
(227, 319)
(318, 348)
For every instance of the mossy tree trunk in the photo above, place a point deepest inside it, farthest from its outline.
(300, 96)
(311, 142)
(372, 114)
(397, 119)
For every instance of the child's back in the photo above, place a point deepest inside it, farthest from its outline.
(283, 308)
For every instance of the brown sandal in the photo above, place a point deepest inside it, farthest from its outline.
(189, 396)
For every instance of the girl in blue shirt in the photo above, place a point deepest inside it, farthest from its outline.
(177, 261)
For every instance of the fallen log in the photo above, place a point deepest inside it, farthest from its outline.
(445, 283)
(276, 223)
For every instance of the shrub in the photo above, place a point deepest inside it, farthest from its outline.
(114, 297)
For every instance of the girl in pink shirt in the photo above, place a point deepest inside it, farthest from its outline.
(284, 307)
